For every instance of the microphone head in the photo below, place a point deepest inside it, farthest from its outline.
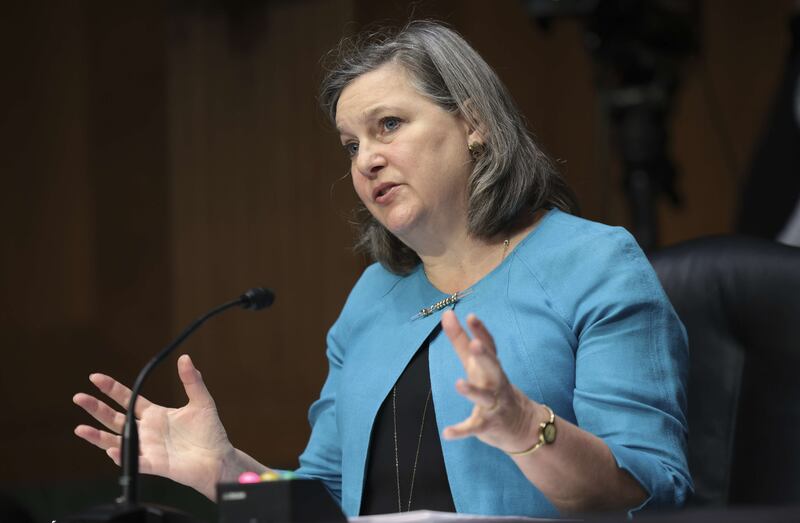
(257, 298)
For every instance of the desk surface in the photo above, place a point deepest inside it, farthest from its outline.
(787, 514)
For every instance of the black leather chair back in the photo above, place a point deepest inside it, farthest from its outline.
(739, 299)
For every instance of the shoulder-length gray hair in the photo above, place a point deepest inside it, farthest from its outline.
(510, 177)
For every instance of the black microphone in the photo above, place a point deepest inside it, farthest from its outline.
(127, 507)
(257, 298)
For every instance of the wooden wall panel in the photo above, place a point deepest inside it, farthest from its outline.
(47, 275)
(84, 267)
(253, 163)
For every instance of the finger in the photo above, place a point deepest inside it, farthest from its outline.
(193, 383)
(116, 455)
(469, 427)
(457, 335)
(483, 368)
(118, 392)
(110, 418)
(98, 438)
(479, 331)
(478, 349)
(483, 397)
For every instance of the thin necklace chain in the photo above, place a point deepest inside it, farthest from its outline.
(455, 297)
(397, 454)
(424, 312)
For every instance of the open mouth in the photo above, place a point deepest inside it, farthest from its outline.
(382, 190)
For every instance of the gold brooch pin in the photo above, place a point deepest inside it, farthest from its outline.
(441, 304)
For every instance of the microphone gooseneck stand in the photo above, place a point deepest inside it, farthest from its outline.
(127, 507)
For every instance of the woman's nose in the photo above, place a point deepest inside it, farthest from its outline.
(370, 161)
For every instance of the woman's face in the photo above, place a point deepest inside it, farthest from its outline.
(409, 157)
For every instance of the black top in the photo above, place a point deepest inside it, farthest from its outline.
(431, 491)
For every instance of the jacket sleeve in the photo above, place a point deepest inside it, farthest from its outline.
(631, 369)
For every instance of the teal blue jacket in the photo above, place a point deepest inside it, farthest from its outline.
(581, 324)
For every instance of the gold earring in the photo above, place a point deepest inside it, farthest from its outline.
(475, 149)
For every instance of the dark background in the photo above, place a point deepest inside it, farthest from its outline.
(158, 158)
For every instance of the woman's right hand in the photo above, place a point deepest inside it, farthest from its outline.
(188, 445)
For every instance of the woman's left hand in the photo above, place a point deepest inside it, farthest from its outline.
(502, 416)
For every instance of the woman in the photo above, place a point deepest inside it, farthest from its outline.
(569, 390)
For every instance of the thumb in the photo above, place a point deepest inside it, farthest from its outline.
(193, 383)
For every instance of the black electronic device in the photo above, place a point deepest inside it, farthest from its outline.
(281, 501)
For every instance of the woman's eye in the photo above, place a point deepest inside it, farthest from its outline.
(351, 148)
(391, 123)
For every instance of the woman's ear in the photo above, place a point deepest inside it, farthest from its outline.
(475, 136)
(476, 130)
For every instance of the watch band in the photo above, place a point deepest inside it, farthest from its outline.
(547, 434)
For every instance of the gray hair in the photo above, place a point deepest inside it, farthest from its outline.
(510, 177)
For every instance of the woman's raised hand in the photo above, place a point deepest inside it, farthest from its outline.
(188, 445)
(502, 416)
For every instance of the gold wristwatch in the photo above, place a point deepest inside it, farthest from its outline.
(547, 434)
